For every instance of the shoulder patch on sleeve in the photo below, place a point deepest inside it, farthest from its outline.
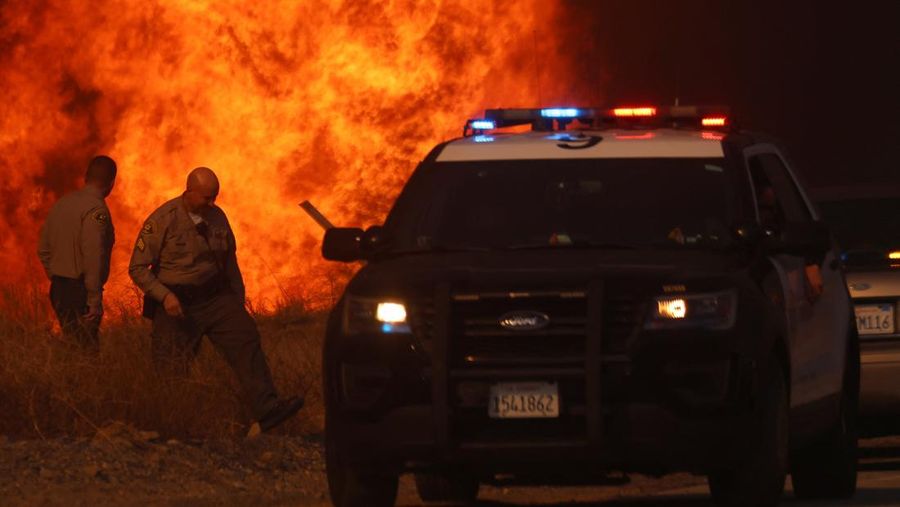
(149, 227)
(140, 244)
(100, 216)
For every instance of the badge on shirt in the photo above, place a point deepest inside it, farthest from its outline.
(149, 227)
(140, 244)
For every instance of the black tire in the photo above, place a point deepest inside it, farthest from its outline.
(350, 486)
(827, 468)
(459, 488)
(759, 480)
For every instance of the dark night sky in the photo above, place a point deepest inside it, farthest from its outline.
(820, 76)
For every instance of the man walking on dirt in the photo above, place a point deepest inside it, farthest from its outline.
(184, 261)
(75, 246)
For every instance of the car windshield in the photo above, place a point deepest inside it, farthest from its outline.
(602, 203)
(864, 224)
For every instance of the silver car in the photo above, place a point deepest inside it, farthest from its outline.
(866, 221)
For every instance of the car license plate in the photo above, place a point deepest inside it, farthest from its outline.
(524, 400)
(875, 319)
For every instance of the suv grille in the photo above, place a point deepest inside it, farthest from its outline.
(478, 339)
(481, 352)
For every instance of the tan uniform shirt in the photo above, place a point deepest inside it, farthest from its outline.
(77, 239)
(171, 251)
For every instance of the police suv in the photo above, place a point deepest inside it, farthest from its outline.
(643, 289)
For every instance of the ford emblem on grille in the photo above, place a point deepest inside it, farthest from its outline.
(524, 320)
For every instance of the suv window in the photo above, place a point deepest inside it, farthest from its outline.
(768, 205)
(770, 176)
(540, 203)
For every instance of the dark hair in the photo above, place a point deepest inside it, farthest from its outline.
(101, 170)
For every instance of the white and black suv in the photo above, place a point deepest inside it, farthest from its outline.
(635, 289)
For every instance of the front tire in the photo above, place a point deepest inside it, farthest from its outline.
(353, 486)
(759, 480)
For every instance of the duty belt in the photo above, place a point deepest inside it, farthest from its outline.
(191, 294)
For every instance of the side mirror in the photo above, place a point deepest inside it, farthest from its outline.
(799, 237)
(343, 244)
(806, 235)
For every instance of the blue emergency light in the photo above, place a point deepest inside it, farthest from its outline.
(482, 125)
(561, 112)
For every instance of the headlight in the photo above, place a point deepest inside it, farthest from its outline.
(362, 315)
(706, 311)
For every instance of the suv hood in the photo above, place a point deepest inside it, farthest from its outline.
(540, 269)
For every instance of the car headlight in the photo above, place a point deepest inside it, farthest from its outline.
(364, 315)
(716, 310)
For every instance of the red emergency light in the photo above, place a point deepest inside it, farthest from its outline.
(714, 121)
(631, 112)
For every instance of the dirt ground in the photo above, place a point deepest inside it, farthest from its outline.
(123, 466)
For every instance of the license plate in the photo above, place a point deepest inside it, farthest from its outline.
(520, 400)
(875, 319)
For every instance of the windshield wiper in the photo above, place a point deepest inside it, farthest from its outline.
(439, 249)
(599, 245)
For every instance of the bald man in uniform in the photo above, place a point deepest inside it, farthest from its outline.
(184, 261)
(75, 246)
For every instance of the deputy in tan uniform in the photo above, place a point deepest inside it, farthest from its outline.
(184, 260)
(75, 247)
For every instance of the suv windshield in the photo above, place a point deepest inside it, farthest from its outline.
(605, 203)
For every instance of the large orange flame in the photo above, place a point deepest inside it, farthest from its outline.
(329, 100)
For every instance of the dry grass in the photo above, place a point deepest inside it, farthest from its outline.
(49, 390)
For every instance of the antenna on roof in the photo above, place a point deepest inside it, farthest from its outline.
(537, 70)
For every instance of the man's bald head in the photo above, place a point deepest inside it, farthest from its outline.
(203, 178)
(202, 189)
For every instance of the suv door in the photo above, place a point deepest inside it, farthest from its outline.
(817, 321)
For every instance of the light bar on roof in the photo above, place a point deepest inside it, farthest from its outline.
(630, 112)
(483, 124)
(561, 112)
(556, 118)
(714, 121)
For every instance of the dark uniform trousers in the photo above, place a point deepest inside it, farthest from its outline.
(68, 296)
(225, 321)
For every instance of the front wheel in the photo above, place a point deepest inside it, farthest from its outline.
(759, 480)
(354, 486)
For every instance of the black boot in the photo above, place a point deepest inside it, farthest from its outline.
(282, 411)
